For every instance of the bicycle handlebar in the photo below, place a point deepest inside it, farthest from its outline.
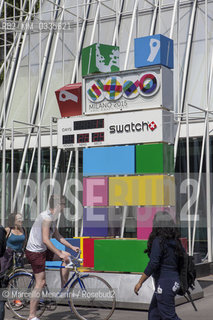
(73, 261)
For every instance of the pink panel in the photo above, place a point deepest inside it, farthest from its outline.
(95, 191)
(145, 217)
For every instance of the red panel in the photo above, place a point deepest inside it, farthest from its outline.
(184, 243)
(88, 245)
(69, 99)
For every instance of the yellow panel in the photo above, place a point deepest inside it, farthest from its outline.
(153, 190)
(81, 245)
(125, 191)
(148, 190)
(169, 189)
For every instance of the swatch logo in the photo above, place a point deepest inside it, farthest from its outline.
(132, 127)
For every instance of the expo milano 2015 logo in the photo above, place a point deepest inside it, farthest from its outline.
(106, 93)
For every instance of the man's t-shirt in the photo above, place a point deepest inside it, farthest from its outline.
(35, 241)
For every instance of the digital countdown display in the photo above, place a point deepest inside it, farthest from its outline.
(115, 129)
(88, 124)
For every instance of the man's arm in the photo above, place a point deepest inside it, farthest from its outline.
(46, 240)
(61, 239)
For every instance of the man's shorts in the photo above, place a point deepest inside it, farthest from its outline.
(37, 259)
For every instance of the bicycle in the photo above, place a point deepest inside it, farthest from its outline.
(89, 296)
(17, 266)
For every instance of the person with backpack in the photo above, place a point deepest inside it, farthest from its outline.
(165, 251)
(2, 251)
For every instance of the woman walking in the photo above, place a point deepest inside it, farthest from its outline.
(165, 251)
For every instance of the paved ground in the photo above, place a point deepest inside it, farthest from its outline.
(185, 311)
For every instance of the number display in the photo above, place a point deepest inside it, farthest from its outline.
(97, 136)
(82, 137)
(68, 139)
(88, 124)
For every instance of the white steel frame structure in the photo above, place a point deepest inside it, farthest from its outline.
(39, 56)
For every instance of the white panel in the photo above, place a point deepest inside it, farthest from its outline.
(117, 129)
(126, 298)
(160, 96)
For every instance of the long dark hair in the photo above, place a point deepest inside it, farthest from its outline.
(164, 228)
(12, 218)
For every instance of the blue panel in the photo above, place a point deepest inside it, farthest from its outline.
(109, 161)
(52, 264)
(154, 50)
(57, 244)
(75, 243)
(95, 222)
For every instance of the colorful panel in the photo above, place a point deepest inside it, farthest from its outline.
(88, 244)
(121, 255)
(99, 58)
(184, 243)
(95, 191)
(145, 217)
(73, 242)
(52, 264)
(109, 161)
(149, 190)
(59, 246)
(81, 245)
(115, 216)
(155, 158)
(95, 222)
(153, 50)
(69, 100)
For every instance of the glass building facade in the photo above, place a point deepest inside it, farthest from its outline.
(37, 59)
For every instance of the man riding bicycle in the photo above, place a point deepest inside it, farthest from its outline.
(40, 248)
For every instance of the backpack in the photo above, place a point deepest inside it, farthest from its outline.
(2, 241)
(187, 273)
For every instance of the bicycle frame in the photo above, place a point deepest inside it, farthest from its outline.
(72, 279)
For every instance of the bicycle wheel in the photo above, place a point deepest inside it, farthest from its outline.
(17, 270)
(19, 289)
(91, 297)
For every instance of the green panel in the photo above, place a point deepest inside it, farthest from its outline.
(122, 255)
(155, 158)
(100, 58)
(149, 158)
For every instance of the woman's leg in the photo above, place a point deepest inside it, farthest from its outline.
(153, 309)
